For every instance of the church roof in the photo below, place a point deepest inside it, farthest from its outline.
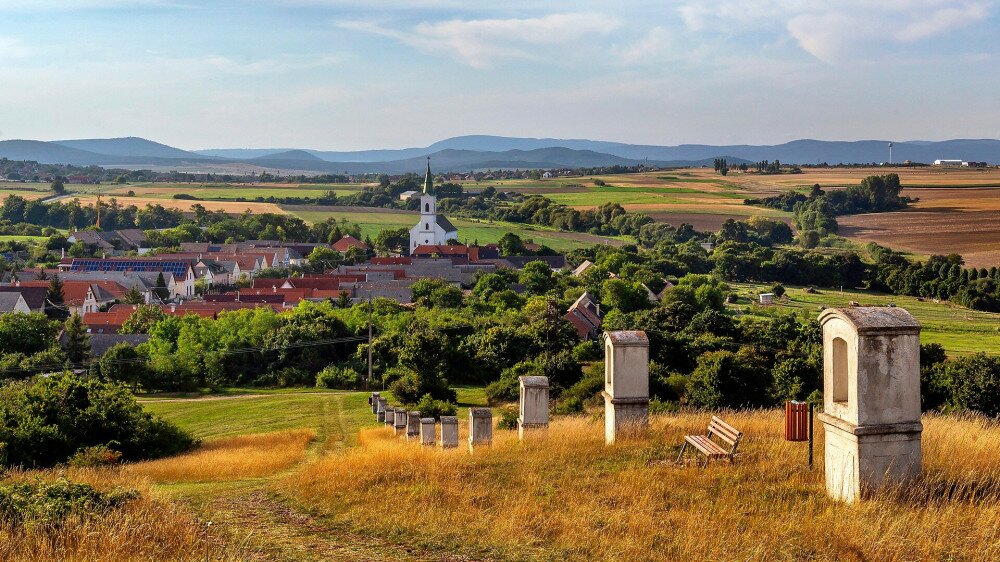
(445, 224)
(428, 180)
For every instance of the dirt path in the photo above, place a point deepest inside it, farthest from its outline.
(255, 516)
(269, 526)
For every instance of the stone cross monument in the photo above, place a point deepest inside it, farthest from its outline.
(534, 410)
(626, 383)
(871, 399)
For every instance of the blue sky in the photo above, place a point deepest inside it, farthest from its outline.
(344, 74)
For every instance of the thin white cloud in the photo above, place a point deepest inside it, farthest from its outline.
(653, 46)
(839, 31)
(266, 66)
(12, 48)
(480, 43)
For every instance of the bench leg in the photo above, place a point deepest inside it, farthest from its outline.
(681, 454)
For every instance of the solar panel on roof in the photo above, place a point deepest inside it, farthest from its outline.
(176, 268)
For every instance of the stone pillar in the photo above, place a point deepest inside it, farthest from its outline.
(871, 399)
(534, 409)
(427, 430)
(399, 421)
(449, 432)
(373, 400)
(626, 383)
(480, 427)
(386, 414)
(412, 425)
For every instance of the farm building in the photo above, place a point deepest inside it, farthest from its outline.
(948, 163)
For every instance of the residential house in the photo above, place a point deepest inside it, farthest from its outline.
(585, 315)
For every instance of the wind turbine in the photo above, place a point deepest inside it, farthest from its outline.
(890, 153)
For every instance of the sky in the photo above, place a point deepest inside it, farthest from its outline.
(348, 75)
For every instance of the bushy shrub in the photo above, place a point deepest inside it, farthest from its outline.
(431, 408)
(507, 418)
(587, 351)
(507, 387)
(50, 503)
(345, 378)
(411, 386)
(98, 455)
(47, 420)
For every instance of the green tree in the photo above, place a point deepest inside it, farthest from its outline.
(322, 259)
(510, 244)
(133, 296)
(143, 319)
(536, 276)
(56, 297)
(77, 340)
(58, 187)
(161, 287)
(124, 364)
(26, 333)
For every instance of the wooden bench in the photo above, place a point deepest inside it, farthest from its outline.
(712, 450)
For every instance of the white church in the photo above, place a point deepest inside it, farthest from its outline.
(433, 229)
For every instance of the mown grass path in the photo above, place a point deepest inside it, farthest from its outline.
(251, 512)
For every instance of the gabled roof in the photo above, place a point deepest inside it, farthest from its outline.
(347, 242)
(9, 302)
(34, 297)
(583, 267)
(445, 224)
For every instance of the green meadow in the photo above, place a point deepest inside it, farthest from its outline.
(959, 330)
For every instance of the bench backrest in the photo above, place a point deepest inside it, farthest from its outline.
(724, 431)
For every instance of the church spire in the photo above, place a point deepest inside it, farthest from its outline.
(429, 179)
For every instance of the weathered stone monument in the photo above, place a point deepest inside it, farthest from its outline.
(389, 417)
(871, 399)
(480, 427)
(412, 425)
(626, 383)
(399, 421)
(380, 407)
(534, 405)
(449, 432)
(427, 431)
(373, 400)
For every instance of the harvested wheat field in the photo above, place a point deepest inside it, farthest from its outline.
(963, 221)
(232, 207)
(566, 496)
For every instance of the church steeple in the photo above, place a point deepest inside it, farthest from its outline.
(429, 179)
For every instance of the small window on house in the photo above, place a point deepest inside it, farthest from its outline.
(427, 226)
(427, 207)
(839, 370)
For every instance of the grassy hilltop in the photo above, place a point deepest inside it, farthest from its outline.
(310, 476)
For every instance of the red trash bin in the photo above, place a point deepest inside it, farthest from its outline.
(796, 421)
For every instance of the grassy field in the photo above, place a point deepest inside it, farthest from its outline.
(959, 330)
(308, 475)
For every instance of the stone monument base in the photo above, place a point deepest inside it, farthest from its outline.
(530, 429)
(861, 459)
(623, 416)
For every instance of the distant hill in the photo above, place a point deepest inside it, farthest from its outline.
(46, 153)
(127, 146)
(292, 155)
(478, 152)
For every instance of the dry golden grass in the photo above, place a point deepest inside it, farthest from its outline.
(234, 207)
(147, 528)
(568, 496)
(231, 458)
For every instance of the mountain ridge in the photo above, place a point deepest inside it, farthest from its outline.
(476, 152)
